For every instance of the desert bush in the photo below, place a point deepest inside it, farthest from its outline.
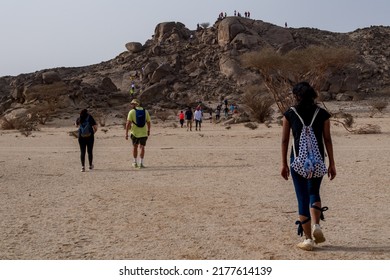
(25, 125)
(368, 129)
(163, 115)
(377, 106)
(258, 103)
(251, 125)
(347, 119)
(100, 117)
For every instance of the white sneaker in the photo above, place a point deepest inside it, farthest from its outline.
(317, 233)
(306, 245)
(83, 169)
(134, 164)
(91, 167)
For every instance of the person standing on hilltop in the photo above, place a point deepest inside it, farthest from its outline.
(87, 129)
(307, 188)
(138, 122)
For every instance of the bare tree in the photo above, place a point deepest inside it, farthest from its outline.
(281, 71)
(205, 25)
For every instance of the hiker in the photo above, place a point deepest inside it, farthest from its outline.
(307, 190)
(132, 90)
(87, 129)
(181, 118)
(188, 115)
(198, 115)
(138, 122)
(218, 113)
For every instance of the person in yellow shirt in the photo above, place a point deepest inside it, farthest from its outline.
(138, 122)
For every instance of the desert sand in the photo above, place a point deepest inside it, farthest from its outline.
(210, 194)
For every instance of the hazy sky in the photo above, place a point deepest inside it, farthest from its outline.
(41, 34)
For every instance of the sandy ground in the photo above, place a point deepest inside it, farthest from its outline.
(214, 194)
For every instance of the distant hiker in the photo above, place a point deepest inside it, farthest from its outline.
(87, 129)
(218, 113)
(226, 111)
(138, 122)
(235, 12)
(188, 115)
(198, 115)
(231, 108)
(181, 118)
(285, 24)
(132, 89)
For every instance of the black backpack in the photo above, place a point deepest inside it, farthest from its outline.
(140, 117)
(85, 129)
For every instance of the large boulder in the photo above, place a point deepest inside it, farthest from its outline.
(173, 30)
(107, 85)
(134, 47)
(228, 29)
(50, 77)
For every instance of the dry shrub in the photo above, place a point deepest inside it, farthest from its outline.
(368, 129)
(258, 103)
(377, 106)
(100, 117)
(163, 115)
(25, 125)
(347, 120)
(251, 125)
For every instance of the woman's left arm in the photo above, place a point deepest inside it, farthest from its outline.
(285, 172)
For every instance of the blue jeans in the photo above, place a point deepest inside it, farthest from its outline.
(306, 190)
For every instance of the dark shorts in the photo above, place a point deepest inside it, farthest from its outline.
(139, 141)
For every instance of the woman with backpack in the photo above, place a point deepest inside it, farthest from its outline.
(87, 129)
(310, 127)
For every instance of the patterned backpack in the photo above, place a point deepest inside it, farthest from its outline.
(309, 162)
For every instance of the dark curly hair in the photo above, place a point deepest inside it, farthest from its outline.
(304, 94)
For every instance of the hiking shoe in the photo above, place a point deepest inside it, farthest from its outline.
(134, 164)
(306, 245)
(83, 169)
(317, 233)
(91, 167)
(141, 166)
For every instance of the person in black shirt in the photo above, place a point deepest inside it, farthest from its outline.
(307, 190)
(189, 116)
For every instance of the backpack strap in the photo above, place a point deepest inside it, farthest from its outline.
(303, 123)
(314, 116)
(312, 120)
(295, 111)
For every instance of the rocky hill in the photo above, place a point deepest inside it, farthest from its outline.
(178, 67)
